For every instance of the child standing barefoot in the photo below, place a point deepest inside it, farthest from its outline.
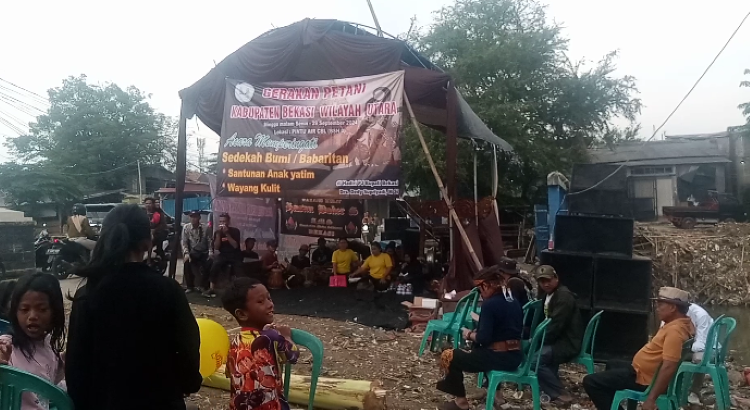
(35, 344)
(257, 353)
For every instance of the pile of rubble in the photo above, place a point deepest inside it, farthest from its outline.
(712, 263)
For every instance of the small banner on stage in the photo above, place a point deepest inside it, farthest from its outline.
(330, 218)
(312, 139)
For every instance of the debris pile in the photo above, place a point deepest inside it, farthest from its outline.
(712, 263)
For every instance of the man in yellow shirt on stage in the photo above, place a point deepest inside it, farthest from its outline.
(379, 266)
(343, 258)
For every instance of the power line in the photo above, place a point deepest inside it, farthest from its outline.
(99, 173)
(729, 40)
(9, 98)
(40, 97)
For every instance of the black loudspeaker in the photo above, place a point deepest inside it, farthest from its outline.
(594, 234)
(622, 284)
(396, 224)
(410, 241)
(575, 270)
(390, 236)
(603, 190)
(620, 335)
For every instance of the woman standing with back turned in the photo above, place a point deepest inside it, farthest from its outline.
(133, 342)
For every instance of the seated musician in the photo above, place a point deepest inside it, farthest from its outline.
(496, 342)
(322, 254)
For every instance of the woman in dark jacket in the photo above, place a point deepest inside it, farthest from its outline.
(133, 342)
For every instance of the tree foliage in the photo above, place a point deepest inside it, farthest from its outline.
(29, 185)
(509, 62)
(96, 134)
(745, 107)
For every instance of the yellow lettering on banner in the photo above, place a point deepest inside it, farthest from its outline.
(278, 159)
(241, 157)
(304, 174)
(243, 189)
(278, 174)
(326, 159)
(270, 188)
(245, 173)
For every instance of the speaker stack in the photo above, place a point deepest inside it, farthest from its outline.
(593, 257)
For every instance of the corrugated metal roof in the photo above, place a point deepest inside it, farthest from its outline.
(667, 152)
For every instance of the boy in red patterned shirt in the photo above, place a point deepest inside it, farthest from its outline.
(257, 353)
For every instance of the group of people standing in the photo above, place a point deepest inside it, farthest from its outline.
(496, 342)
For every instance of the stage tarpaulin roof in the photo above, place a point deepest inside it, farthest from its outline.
(327, 49)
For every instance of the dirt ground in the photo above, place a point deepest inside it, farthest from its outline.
(356, 352)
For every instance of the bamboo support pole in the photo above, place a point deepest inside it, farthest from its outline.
(439, 181)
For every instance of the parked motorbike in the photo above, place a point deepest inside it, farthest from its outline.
(156, 262)
(42, 243)
(66, 255)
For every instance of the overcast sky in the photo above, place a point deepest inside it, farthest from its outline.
(163, 46)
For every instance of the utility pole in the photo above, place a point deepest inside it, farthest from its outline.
(201, 153)
(140, 184)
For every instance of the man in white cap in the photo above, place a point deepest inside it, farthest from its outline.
(664, 349)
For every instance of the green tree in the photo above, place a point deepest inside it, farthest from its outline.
(25, 186)
(745, 107)
(509, 62)
(97, 133)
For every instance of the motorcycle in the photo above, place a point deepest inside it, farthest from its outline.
(156, 262)
(42, 243)
(66, 255)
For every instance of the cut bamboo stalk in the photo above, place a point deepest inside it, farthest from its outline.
(331, 394)
(443, 191)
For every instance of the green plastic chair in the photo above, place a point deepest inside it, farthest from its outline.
(667, 401)
(525, 375)
(586, 357)
(439, 328)
(469, 322)
(713, 363)
(14, 382)
(315, 346)
(536, 309)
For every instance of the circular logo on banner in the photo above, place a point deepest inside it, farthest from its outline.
(244, 92)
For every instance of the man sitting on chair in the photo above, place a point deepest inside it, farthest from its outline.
(664, 349)
(562, 342)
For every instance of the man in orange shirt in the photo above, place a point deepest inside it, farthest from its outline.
(664, 349)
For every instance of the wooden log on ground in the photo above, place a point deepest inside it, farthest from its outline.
(331, 394)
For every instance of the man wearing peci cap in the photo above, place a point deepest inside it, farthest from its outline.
(664, 349)
(564, 335)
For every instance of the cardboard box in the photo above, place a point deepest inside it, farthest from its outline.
(421, 311)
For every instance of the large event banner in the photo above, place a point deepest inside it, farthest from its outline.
(312, 139)
(330, 218)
